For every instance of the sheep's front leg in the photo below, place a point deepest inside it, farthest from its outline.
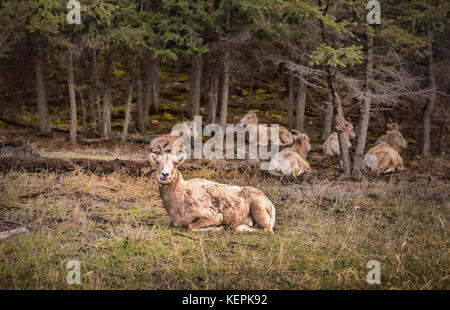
(206, 223)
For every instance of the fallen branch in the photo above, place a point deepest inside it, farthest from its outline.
(33, 195)
(19, 123)
(141, 139)
(40, 164)
(140, 168)
(12, 232)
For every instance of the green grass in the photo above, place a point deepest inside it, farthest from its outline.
(117, 228)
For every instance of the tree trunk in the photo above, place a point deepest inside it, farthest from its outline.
(328, 121)
(44, 124)
(96, 89)
(301, 102)
(83, 109)
(428, 109)
(92, 116)
(250, 91)
(92, 93)
(195, 86)
(226, 77)
(225, 91)
(123, 137)
(155, 84)
(291, 101)
(364, 116)
(213, 96)
(73, 103)
(147, 92)
(140, 121)
(443, 129)
(344, 154)
(107, 104)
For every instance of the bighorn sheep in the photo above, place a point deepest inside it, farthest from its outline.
(201, 205)
(167, 142)
(393, 137)
(384, 157)
(331, 145)
(251, 118)
(292, 160)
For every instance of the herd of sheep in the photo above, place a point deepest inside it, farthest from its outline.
(203, 205)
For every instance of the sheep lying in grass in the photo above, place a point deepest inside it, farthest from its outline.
(251, 118)
(291, 161)
(384, 157)
(172, 140)
(331, 145)
(201, 205)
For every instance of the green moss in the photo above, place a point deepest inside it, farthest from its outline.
(165, 68)
(30, 119)
(270, 96)
(179, 97)
(118, 123)
(118, 72)
(182, 79)
(277, 114)
(166, 116)
(260, 91)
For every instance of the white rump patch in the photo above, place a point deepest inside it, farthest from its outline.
(272, 218)
(371, 162)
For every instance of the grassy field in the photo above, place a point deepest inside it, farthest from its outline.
(325, 233)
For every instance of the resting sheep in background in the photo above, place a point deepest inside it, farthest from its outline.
(384, 157)
(202, 205)
(291, 161)
(331, 145)
(251, 118)
(168, 141)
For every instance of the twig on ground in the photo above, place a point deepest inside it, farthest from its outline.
(32, 195)
(12, 232)
(307, 197)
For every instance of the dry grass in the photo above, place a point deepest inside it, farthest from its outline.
(325, 233)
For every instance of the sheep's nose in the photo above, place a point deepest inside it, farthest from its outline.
(165, 175)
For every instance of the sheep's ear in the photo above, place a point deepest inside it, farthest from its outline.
(153, 158)
(181, 157)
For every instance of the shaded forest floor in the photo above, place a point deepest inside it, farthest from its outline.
(114, 224)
